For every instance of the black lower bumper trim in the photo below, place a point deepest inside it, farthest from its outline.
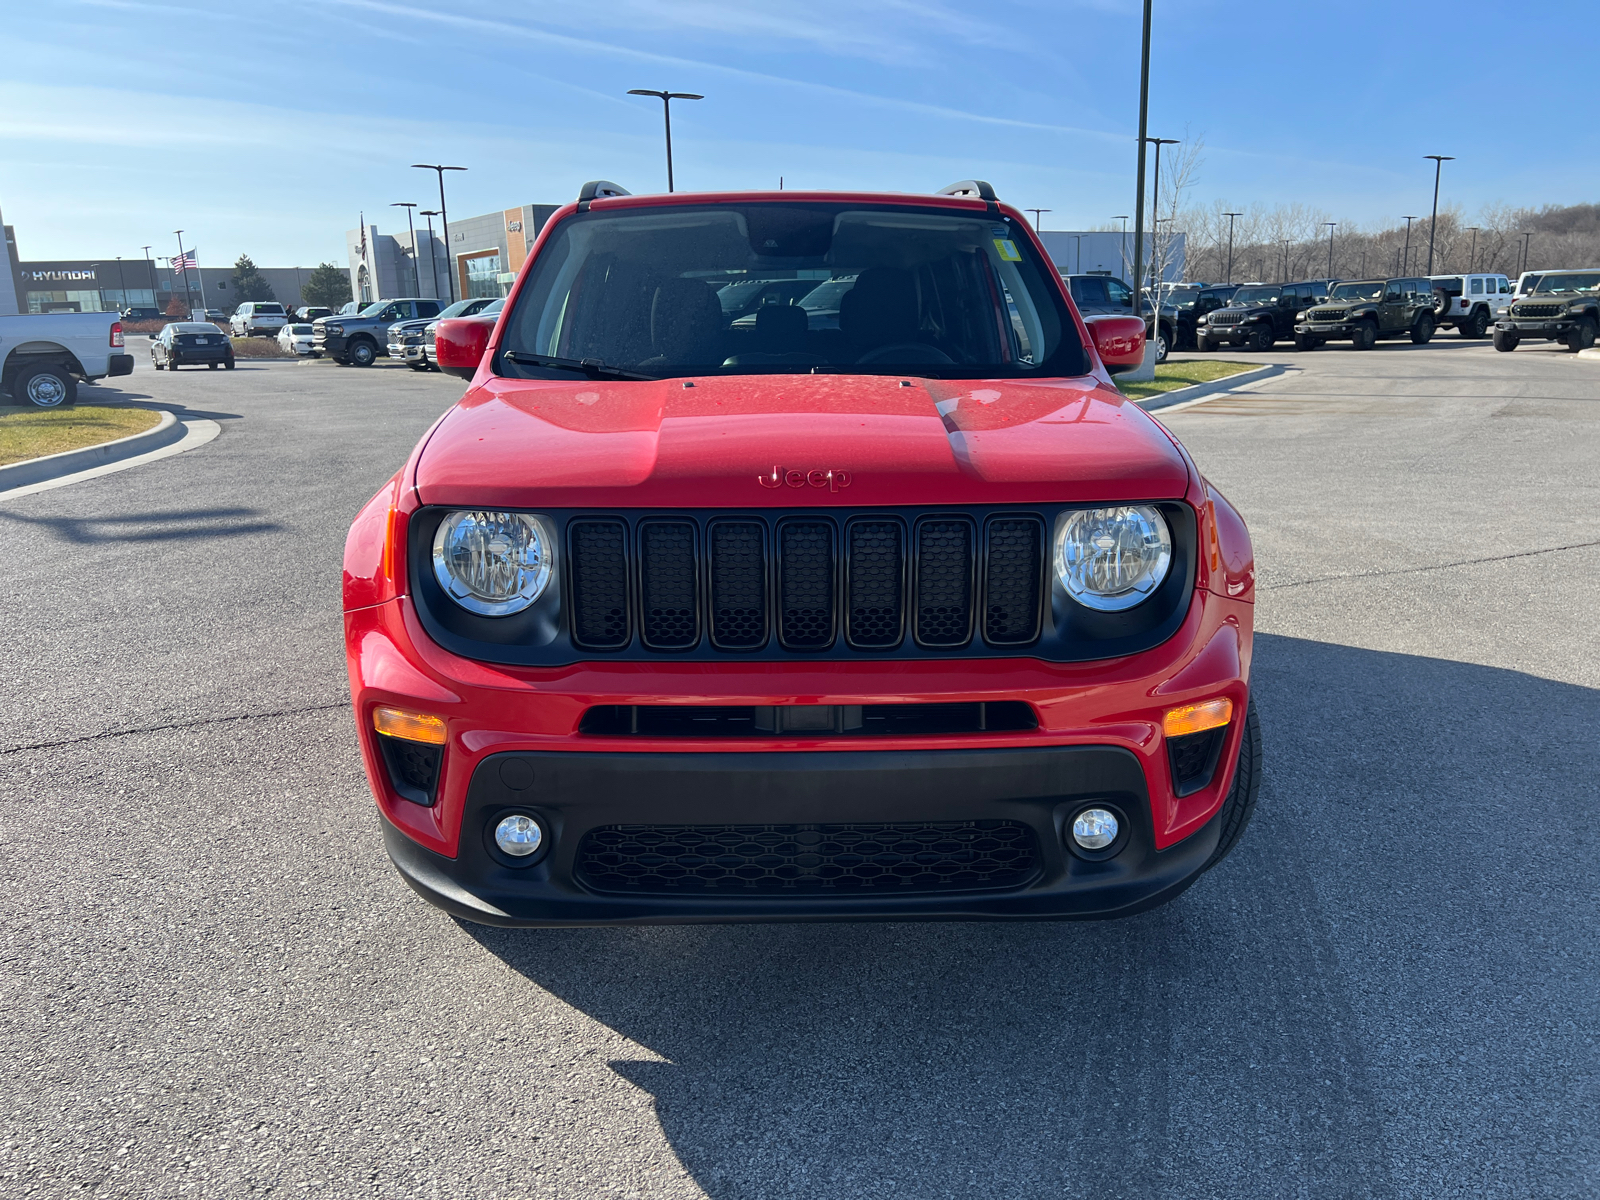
(574, 794)
(120, 364)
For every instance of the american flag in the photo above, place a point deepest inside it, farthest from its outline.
(185, 260)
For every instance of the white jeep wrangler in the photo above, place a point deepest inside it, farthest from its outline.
(1469, 303)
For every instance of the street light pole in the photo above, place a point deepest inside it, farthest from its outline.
(1037, 213)
(1138, 208)
(1472, 258)
(1123, 217)
(1230, 217)
(1439, 161)
(1525, 238)
(1405, 267)
(416, 279)
(666, 99)
(433, 257)
(122, 282)
(444, 217)
(1155, 202)
(150, 269)
(1285, 260)
(1330, 225)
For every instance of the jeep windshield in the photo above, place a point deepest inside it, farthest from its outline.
(1183, 299)
(658, 292)
(1578, 281)
(1250, 297)
(1357, 291)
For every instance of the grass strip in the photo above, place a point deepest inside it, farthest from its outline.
(1172, 376)
(32, 432)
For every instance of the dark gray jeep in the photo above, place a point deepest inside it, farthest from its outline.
(1366, 311)
(1563, 306)
(1258, 315)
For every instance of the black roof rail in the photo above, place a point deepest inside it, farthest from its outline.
(971, 187)
(978, 189)
(601, 189)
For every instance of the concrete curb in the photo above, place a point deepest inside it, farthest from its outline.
(180, 436)
(1592, 354)
(1226, 384)
(69, 462)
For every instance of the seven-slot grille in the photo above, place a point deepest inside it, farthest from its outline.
(1324, 315)
(869, 581)
(1536, 310)
(1224, 318)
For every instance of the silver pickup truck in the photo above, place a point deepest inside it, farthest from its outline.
(43, 356)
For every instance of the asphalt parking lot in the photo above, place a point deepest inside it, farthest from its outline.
(215, 985)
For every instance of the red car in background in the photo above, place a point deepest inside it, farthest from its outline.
(908, 615)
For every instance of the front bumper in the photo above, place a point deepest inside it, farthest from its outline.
(333, 346)
(1549, 327)
(574, 793)
(406, 352)
(1328, 329)
(1098, 737)
(1226, 335)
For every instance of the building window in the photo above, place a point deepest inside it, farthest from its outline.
(49, 302)
(364, 284)
(482, 273)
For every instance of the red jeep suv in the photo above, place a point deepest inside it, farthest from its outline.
(792, 556)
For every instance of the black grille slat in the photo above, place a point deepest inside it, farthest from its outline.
(875, 583)
(738, 585)
(808, 860)
(1013, 580)
(936, 719)
(943, 586)
(599, 552)
(669, 585)
(805, 583)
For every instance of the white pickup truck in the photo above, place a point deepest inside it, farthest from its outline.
(44, 355)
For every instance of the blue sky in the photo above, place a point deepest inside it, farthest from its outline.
(266, 128)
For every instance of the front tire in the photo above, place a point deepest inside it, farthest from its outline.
(1261, 338)
(1202, 343)
(1505, 340)
(362, 354)
(1240, 804)
(1582, 335)
(1364, 336)
(1422, 331)
(44, 387)
(1304, 341)
(1475, 326)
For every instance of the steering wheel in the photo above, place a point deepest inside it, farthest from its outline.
(906, 352)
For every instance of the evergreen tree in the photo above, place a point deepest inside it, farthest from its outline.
(249, 283)
(327, 287)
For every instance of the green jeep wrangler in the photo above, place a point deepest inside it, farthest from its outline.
(1367, 311)
(1563, 306)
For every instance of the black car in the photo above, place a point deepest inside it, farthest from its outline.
(191, 344)
(141, 314)
(1258, 315)
(1105, 295)
(1188, 305)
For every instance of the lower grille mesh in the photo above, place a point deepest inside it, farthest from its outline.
(808, 860)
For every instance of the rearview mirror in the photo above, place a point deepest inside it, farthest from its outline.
(460, 343)
(1119, 341)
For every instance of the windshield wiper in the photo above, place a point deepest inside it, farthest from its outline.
(592, 367)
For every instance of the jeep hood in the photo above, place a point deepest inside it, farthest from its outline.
(795, 440)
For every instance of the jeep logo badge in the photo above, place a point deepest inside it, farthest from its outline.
(780, 477)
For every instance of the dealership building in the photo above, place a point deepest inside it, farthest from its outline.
(483, 257)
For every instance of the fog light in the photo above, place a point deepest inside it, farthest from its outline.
(1094, 828)
(519, 835)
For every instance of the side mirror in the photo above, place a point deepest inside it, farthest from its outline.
(460, 343)
(1119, 341)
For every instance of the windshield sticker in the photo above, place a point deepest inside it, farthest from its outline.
(1008, 249)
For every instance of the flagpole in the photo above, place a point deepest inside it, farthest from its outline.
(201, 275)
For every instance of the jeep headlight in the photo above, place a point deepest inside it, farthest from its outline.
(1301, 315)
(1111, 559)
(493, 563)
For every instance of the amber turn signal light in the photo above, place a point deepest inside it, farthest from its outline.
(1197, 718)
(411, 726)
